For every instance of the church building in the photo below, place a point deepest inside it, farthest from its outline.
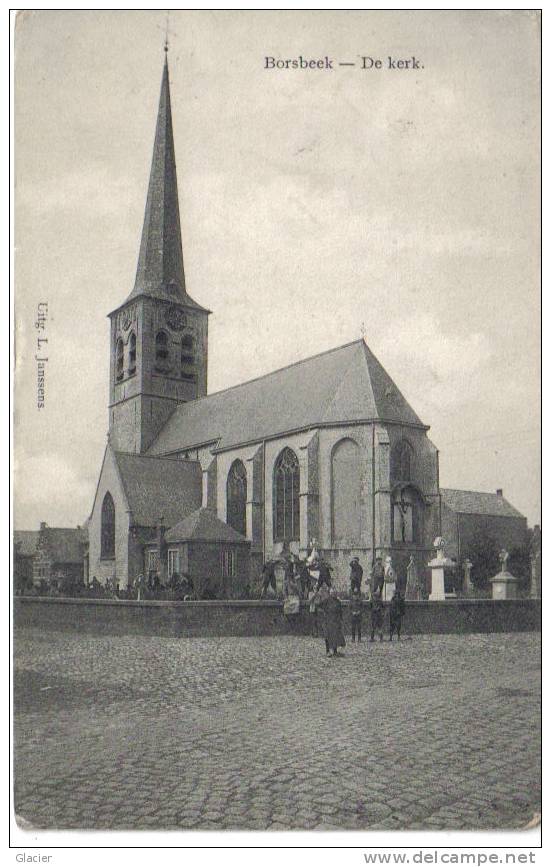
(327, 449)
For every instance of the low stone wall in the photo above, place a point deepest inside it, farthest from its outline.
(255, 617)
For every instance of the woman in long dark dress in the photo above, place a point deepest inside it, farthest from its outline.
(332, 624)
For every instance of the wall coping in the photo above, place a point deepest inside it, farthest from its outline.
(249, 603)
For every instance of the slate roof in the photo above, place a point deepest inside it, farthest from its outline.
(160, 270)
(203, 525)
(65, 544)
(478, 503)
(26, 541)
(345, 384)
(159, 487)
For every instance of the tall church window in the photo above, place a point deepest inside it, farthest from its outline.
(161, 350)
(108, 528)
(228, 558)
(400, 462)
(236, 497)
(187, 358)
(132, 354)
(346, 491)
(119, 360)
(287, 497)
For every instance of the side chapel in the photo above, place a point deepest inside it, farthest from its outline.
(326, 449)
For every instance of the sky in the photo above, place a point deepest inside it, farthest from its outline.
(316, 206)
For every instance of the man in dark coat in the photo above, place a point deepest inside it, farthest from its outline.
(324, 574)
(377, 576)
(356, 575)
(377, 615)
(332, 624)
(268, 578)
(396, 613)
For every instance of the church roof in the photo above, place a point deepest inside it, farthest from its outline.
(160, 269)
(159, 487)
(346, 384)
(478, 503)
(203, 526)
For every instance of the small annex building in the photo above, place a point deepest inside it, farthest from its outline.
(214, 555)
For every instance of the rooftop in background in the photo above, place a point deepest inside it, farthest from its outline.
(65, 543)
(344, 384)
(478, 503)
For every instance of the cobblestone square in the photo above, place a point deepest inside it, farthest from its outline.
(439, 732)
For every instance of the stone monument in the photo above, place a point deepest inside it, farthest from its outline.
(504, 585)
(390, 580)
(468, 586)
(413, 590)
(438, 567)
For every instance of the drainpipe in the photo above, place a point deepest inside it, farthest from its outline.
(373, 493)
(439, 494)
(263, 501)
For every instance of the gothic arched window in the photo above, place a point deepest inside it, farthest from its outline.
(108, 528)
(400, 462)
(187, 349)
(286, 497)
(119, 373)
(187, 357)
(161, 349)
(132, 354)
(236, 497)
(345, 500)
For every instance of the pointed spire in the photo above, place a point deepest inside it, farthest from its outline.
(160, 262)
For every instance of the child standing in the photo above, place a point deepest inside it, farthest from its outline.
(396, 612)
(377, 614)
(356, 611)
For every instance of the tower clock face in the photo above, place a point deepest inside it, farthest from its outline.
(176, 319)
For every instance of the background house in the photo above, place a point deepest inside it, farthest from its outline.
(468, 514)
(59, 557)
(24, 549)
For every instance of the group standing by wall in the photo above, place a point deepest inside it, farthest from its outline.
(310, 580)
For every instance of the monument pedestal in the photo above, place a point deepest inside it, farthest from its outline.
(389, 588)
(504, 586)
(437, 592)
(438, 566)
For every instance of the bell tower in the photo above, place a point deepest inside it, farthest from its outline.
(159, 335)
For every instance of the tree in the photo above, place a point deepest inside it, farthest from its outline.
(483, 552)
(519, 561)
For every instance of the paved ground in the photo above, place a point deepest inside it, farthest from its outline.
(266, 733)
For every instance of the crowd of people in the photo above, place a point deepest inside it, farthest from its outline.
(310, 580)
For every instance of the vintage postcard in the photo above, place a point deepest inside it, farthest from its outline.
(277, 547)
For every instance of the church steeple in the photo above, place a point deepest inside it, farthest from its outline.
(159, 335)
(160, 269)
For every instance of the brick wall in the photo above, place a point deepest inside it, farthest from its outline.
(244, 617)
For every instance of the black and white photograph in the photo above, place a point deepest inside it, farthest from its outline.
(276, 548)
